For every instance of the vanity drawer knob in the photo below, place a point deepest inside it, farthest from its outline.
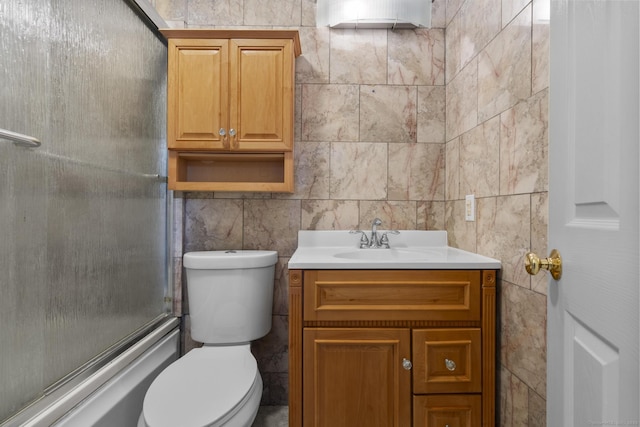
(406, 364)
(450, 364)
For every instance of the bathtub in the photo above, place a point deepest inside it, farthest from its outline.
(113, 395)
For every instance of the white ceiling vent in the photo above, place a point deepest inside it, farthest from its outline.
(374, 13)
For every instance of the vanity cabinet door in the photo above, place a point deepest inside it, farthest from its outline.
(355, 377)
(447, 360)
(447, 410)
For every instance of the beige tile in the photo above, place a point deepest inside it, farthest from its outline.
(214, 13)
(213, 224)
(523, 346)
(480, 160)
(272, 416)
(430, 216)
(416, 57)
(371, 159)
(504, 68)
(388, 113)
(297, 113)
(330, 112)
(171, 10)
(238, 195)
(178, 225)
(271, 351)
(540, 46)
(313, 65)
(329, 215)
(416, 172)
(461, 233)
(452, 8)
(452, 180)
(514, 400)
(439, 14)
(177, 286)
(472, 28)
(503, 233)
(281, 288)
(311, 171)
(537, 410)
(273, 12)
(394, 215)
(272, 225)
(274, 392)
(358, 56)
(431, 114)
(462, 101)
(511, 9)
(539, 226)
(309, 13)
(523, 146)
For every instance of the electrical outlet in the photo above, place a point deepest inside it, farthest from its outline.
(470, 207)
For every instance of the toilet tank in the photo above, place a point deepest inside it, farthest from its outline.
(230, 294)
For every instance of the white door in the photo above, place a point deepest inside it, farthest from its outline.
(592, 357)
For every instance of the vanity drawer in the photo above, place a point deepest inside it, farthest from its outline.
(391, 295)
(447, 361)
(447, 410)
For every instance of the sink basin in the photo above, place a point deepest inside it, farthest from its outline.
(392, 254)
(410, 249)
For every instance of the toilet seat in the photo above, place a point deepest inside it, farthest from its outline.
(206, 387)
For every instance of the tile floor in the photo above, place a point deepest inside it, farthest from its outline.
(272, 416)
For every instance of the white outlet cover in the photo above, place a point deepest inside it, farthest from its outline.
(470, 207)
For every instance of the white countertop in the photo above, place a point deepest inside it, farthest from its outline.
(411, 249)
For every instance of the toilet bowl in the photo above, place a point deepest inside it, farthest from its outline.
(211, 386)
(230, 297)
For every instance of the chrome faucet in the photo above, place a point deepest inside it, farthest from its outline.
(374, 241)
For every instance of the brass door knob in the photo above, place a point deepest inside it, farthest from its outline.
(533, 263)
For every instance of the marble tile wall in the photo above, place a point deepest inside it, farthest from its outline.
(497, 91)
(370, 142)
(388, 125)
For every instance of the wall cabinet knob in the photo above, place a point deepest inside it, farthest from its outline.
(406, 364)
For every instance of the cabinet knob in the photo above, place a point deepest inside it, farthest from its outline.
(234, 141)
(406, 364)
(222, 132)
(450, 364)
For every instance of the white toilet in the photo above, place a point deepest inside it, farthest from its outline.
(230, 297)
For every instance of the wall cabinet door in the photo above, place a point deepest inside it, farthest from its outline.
(355, 377)
(198, 94)
(231, 95)
(261, 91)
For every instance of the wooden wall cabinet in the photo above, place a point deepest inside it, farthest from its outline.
(392, 348)
(230, 109)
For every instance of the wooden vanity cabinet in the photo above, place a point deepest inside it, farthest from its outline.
(392, 348)
(231, 93)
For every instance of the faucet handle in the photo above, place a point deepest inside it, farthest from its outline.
(364, 242)
(384, 240)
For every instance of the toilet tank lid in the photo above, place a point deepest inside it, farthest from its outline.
(225, 260)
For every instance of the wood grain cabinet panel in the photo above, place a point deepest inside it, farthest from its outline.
(447, 361)
(447, 410)
(392, 295)
(231, 92)
(392, 348)
(354, 377)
